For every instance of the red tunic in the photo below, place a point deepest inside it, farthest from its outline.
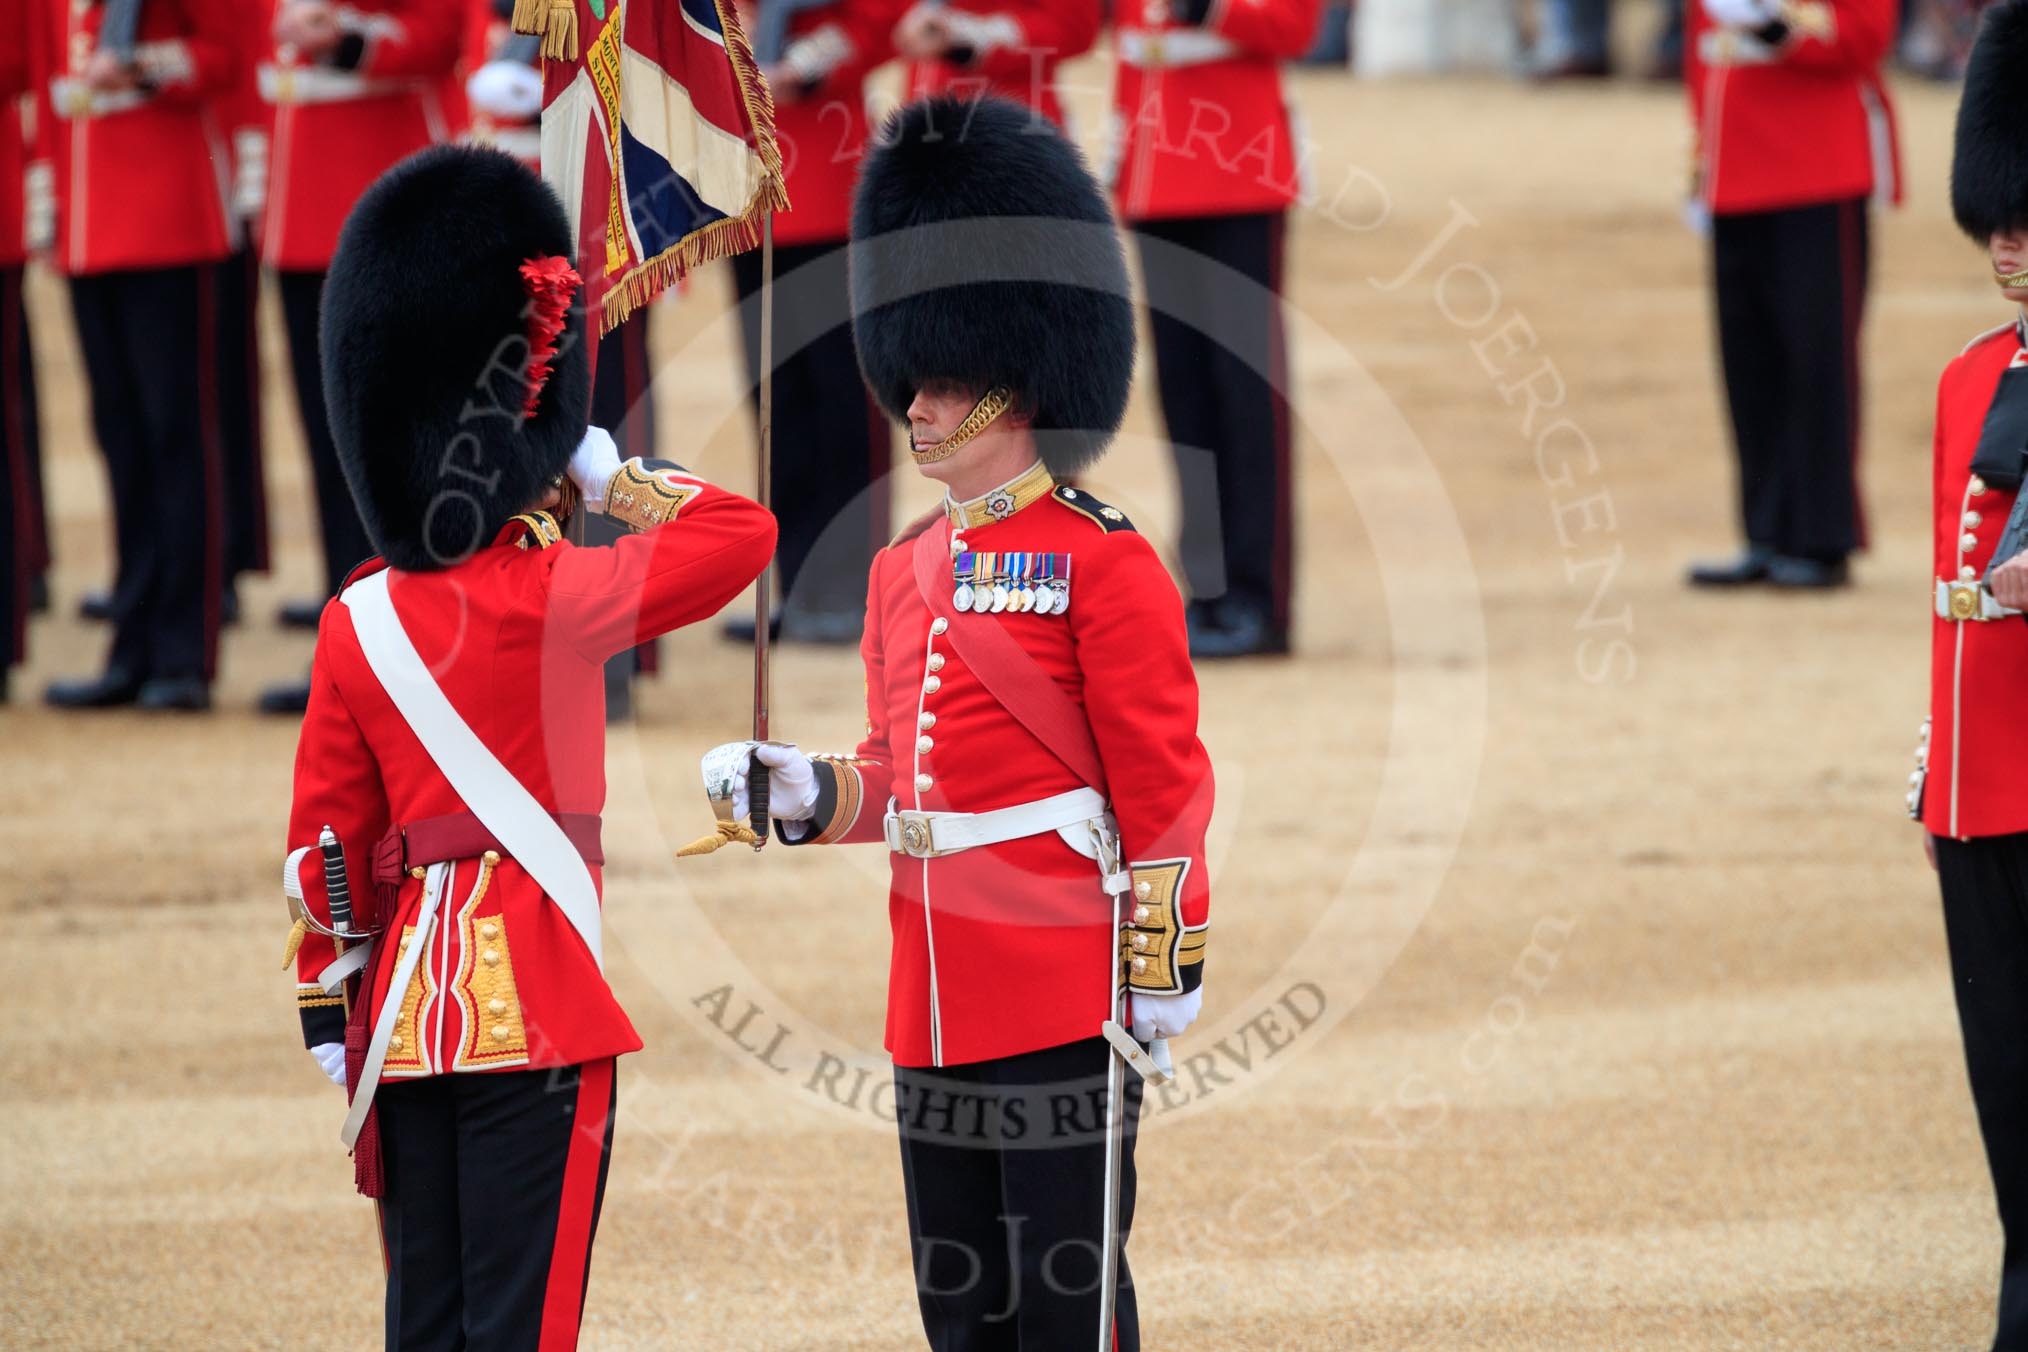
(1050, 32)
(141, 177)
(1795, 124)
(517, 639)
(15, 118)
(822, 132)
(335, 131)
(1006, 948)
(1978, 745)
(1202, 128)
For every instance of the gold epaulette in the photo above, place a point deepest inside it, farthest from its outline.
(642, 499)
(539, 530)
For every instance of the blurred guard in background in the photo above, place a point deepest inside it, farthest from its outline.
(24, 555)
(461, 782)
(1208, 198)
(1794, 133)
(1036, 858)
(1010, 47)
(246, 117)
(142, 223)
(830, 439)
(354, 89)
(1970, 789)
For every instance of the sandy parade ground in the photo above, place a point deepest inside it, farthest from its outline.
(1575, 981)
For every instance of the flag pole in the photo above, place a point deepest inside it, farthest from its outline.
(765, 584)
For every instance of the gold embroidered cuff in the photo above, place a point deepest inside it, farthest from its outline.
(838, 811)
(644, 498)
(1162, 955)
(1810, 19)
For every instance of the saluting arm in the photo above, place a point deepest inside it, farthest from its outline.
(696, 547)
(844, 800)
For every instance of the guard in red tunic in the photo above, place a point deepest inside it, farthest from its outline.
(830, 444)
(142, 224)
(354, 88)
(444, 844)
(24, 557)
(1031, 757)
(1794, 134)
(1207, 168)
(1006, 47)
(1970, 788)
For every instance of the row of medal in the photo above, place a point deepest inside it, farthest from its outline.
(990, 583)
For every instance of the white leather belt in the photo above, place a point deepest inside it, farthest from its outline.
(1078, 816)
(75, 99)
(1173, 47)
(1733, 47)
(1962, 602)
(321, 84)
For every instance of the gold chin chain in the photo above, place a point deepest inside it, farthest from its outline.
(2008, 281)
(991, 405)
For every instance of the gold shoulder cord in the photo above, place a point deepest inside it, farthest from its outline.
(642, 499)
(991, 405)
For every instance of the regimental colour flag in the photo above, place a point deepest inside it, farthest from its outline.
(658, 134)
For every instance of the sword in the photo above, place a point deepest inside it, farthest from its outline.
(117, 34)
(338, 896)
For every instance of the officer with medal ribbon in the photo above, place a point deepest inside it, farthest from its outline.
(447, 936)
(1970, 787)
(1034, 767)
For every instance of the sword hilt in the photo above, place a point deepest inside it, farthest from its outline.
(757, 798)
(337, 889)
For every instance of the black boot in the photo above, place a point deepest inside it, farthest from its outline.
(1233, 626)
(299, 614)
(290, 697)
(113, 689)
(1793, 574)
(1751, 566)
(175, 694)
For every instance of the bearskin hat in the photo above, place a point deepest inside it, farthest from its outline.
(983, 253)
(1989, 166)
(456, 373)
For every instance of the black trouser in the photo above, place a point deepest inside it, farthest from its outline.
(1221, 362)
(829, 439)
(1985, 908)
(239, 406)
(148, 338)
(344, 538)
(25, 554)
(494, 1182)
(1791, 292)
(1003, 1164)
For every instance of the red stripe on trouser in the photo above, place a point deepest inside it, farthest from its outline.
(563, 1298)
(1851, 220)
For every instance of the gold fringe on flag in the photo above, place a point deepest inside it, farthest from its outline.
(720, 239)
(554, 21)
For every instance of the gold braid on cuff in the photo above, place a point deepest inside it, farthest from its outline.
(643, 499)
(991, 405)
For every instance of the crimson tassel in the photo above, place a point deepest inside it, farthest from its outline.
(367, 1174)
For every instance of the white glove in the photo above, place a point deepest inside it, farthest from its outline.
(593, 465)
(508, 90)
(331, 1060)
(38, 214)
(1743, 13)
(1165, 1015)
(792, 785)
